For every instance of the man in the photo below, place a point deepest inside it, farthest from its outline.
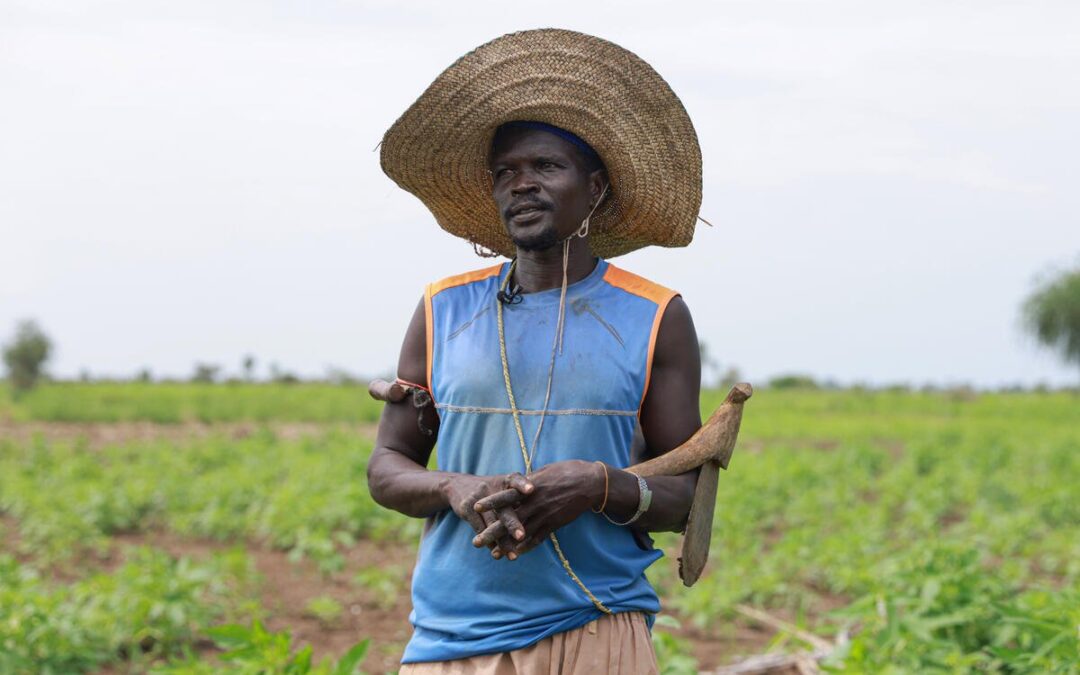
(558, 150)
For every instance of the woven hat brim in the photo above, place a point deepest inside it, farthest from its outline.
(438, 148)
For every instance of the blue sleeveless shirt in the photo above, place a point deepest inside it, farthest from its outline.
(466, 603)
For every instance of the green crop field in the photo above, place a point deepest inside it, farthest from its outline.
(182, 528)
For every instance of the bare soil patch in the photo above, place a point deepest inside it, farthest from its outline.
(9, 534)
(716, 646)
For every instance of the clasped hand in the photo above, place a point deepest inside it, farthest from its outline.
(513, 514)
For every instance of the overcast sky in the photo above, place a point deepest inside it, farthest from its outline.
(195, 181)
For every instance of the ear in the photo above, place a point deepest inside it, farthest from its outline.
(598, 180)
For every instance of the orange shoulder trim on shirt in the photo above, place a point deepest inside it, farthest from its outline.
(429, 332)
(462, 279)
(642, 287)
(652, 344)
(433, 289)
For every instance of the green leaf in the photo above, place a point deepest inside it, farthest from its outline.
(352, 658)
(230, 636)
(945, 620)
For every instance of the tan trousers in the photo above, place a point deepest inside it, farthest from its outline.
(617, 643)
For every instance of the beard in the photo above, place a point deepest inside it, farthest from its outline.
(539, 241)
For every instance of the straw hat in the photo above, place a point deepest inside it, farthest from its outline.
(616, 102)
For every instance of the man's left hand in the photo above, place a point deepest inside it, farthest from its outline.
(562, 491)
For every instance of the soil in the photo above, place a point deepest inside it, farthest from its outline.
(9, 535)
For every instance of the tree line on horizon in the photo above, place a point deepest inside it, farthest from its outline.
(1050, 314)
(26, 355)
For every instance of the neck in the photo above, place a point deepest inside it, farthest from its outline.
(542, 270)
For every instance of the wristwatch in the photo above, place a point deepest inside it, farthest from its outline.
(644, 501)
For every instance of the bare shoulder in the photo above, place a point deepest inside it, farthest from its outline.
(670, 412)
(412, 361)
(676, 340)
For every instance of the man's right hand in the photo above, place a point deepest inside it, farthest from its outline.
(499, 528)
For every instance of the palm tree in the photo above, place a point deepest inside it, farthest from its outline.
(1052, 315)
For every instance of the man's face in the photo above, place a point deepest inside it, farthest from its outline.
(541, 186)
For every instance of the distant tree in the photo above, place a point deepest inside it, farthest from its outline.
(1052, 315)
(285, 377)
(282, 376)
(340, 376)
(249, 367)
(793, 381)
(144, 375)
(730, 378)
(26, 355)
(205, 372)
(709, 365)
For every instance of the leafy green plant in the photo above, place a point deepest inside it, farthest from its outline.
(672, 653)
(257, 651)
(938, 609)
(151, 606)
(833, 498)
(324, 608)
(307, 496)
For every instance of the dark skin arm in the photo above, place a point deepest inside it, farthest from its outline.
(669, 416)
(397, 471)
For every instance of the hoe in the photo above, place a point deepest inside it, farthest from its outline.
(709, 448)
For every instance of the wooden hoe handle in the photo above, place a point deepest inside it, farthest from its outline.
(714, 441)
(709, 448)
(390, 392)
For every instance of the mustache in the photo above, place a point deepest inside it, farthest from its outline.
(509, 211)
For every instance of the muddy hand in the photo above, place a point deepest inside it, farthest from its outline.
(462, 493)
(503, 527)
(562, 491)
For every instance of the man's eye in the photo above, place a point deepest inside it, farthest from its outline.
(502, 174)
(548, 165)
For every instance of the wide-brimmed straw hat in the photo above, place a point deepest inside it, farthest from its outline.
(616, 102)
